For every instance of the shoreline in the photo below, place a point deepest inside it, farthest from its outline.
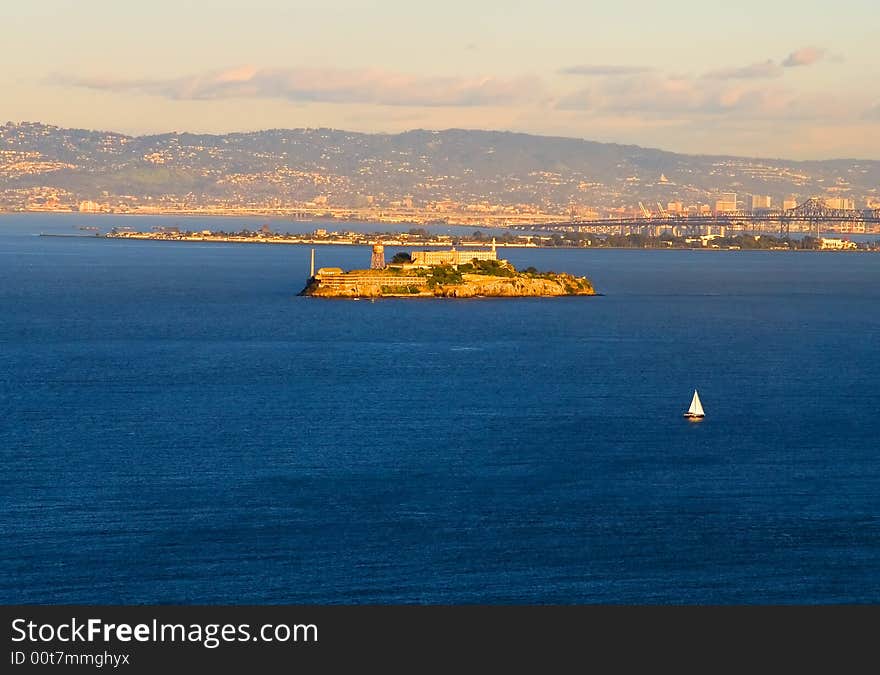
(439, 281)
(427, 296)
(465, 245)
(531, 225)
(290, 217)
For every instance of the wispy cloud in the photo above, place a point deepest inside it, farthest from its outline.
(664, 96)
(604, 70)
(872, 113)
(754, 71)
(805, 56)
(732, 93)
(327, 85)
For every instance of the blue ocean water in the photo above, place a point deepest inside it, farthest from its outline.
(177, 426)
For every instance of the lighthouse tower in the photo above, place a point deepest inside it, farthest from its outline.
(377, 262)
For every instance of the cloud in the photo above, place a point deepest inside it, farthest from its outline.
(872, 113)
(805, 56)
(755, 71)
(666, 96)
(591, 70)
(327, 85)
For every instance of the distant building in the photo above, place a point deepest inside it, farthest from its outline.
(726, 202)
(840, 203)
(836, 244)
(789, 203)
(334, 277)
(89, 207)
(451, 256)
(761, 203)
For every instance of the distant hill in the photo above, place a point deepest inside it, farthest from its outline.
(284, 166)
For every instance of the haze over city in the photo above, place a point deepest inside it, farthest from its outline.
(755, 79)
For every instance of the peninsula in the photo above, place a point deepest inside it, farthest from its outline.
(441, 274)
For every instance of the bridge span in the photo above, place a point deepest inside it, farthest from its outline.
(807, 218)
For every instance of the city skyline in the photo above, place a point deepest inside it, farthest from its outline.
(757, 80)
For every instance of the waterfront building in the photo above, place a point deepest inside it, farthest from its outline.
(836, 244)
(333, 276)
(89, 206)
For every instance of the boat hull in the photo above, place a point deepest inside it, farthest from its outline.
(691, 417)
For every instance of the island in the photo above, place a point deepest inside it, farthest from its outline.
(441, 274)
(598, 236)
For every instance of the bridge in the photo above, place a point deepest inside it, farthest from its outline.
(808, 218)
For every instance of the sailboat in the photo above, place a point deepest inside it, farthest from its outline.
(695, 412)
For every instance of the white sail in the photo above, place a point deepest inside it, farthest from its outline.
(696, 407)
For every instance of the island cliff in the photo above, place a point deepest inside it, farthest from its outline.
(478, 278)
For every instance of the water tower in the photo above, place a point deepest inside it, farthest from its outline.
(377, 262)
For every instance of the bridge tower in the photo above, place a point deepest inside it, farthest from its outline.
(784, 227)
(377, 262)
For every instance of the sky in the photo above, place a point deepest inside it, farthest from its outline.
(773, 79)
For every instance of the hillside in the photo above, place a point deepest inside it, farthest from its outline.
(284, 167)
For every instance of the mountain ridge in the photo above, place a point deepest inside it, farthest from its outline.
(404, 132)
(346, 168)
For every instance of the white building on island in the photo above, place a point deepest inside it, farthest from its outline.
(451, 256)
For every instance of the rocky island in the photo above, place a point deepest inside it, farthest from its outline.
(442, 274)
